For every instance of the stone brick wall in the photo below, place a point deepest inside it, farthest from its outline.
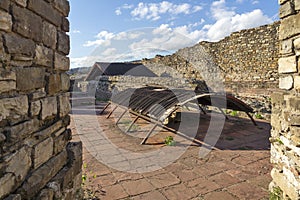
(247, 61)
(37, 161)
(285, 134)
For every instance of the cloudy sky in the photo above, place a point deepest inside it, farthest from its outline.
(113, 30)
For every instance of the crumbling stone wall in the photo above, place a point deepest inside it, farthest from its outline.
(247, 61)
(285, 147)
(37, 161)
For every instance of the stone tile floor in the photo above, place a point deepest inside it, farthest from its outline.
(238, 169)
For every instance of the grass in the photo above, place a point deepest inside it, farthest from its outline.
(276, 194)
(169, 140)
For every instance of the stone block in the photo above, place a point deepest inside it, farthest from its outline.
(65, 25)
(287, 65)
(4, 4)
(2, 137)
(294, 104)
(63, 6)
(7, 184)
(61, 141)
(45, 133)
(297, 5)
(35, 108)
(34, 74)
(6, 86)
(289, 26)
(63, 43)
(19, 132)
(42, 152)
(27, 23)
(14, 109)
(40, 177)
(46, 194)
(64, 104)
(286, 83)
(284, 184)
(49, 107)
(13, 197)
(296, 132)
(22, 3)
(296, 45)
(286, 47)
(280, 2)
(19, 45)
(54, 84)
(286, 9)
(74, 150)
(19, 163)
(61, 62)
(5, 21)
(38, 94)
(49, 35)
(7, 75)
(65, 82)
(45, 10)
(44, 56)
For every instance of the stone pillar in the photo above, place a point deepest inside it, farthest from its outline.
(37, 161)
(285, 133)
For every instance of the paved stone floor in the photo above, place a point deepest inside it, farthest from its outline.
(237, 169)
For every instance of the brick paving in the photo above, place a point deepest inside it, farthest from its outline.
(238, 170)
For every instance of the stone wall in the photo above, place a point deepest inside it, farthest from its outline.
(285, 134)
(104, 88)
(247, 61)
(37, 161)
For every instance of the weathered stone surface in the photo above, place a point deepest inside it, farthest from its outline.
(38, 94)
(34, 74)
(18, 45)
(7, 184)
(46, 194)
(49, 107)
(287, 65)
(286, 82)
(5, 21)
(64, 104)
(284, 184)
(42, 175)
(65, 82)
(61, 62)
(6, 86)
(44, 56)
(4, 4)
(289, 27)
(286, 47)
(74, 150)
(63, 43)
(35, 108)
(13, 109)
(48, 131)
(7, 75)
(49, 35)
(46, 11)
(297, 5)
(20, 131)
(65, 25)
(297, 82)
(13, 197)
(19, 163)
(27, 23)
(2, 137)
(22, 3)
(286, 9)
(297, 47)
(294, 104)
(54, 84)
(63, 6)
(42, 152)
(61, 141)
(282, 1)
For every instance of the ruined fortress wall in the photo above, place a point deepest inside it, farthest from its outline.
(37, 161)
(285, 133)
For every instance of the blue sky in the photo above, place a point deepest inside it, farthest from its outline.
(111, 30)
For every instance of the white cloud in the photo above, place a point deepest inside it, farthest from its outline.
(118, 10)
(153, 11)
(227, 20)
(76, 31)
(255, 2)
(103, 38)
(109, 51)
